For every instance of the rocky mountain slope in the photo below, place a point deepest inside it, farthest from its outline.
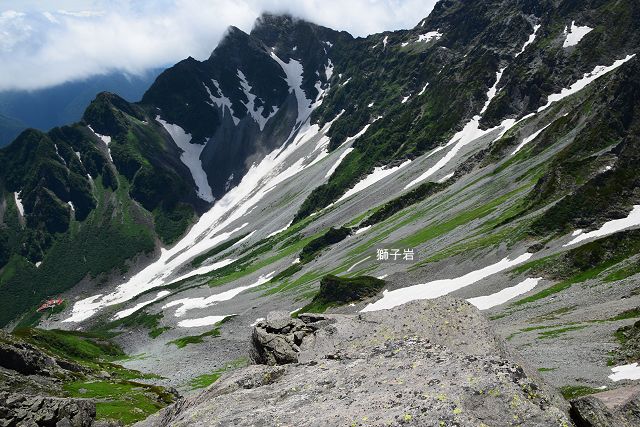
(495, 143)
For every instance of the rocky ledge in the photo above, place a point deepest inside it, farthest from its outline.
(431, 363)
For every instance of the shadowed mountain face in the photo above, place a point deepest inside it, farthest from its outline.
(497, 141)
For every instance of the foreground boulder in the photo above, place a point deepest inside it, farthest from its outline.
(427, 363)
(614, 408)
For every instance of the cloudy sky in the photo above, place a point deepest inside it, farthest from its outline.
(44, 43)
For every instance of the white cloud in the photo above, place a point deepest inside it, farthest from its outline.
(41, 47)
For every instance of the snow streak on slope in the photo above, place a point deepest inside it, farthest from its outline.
(438, 288)
(378, 174)
(187, 304)
(124, 313)
(105, 138)
(587, 79)
(532, 38)
(221, 102)
(337, 163)
(211, 229)
(191, 158)
(203, 321)
(507, 294)
(632, 220)
(575, 34)
(19, 204)
(256, 113)
(470, 133)
(293, 70)
(529, 139)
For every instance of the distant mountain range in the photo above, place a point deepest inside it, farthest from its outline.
(59, 105)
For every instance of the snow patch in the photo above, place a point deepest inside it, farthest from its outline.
(532, 38)
(187, 304)
(438, 288)
(385, 42)
(105, 138)
(203, 321)
(625, 372)
(424, 89)
(575, 34)
(405, 99)
(427, 37)
(446, 178)
(507, 294)
(190, 157)
(363, 229)
(124, 313)
(275, 233)
(19, 204)
(293, 71)
(610, 227)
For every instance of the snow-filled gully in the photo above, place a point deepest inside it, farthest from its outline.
(210, 230)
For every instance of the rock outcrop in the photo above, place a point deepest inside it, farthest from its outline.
(424, 363)
(615, 408)
(24, 410)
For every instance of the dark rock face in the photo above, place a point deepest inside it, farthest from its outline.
(424, 363)
(615, 408)
(23, 410)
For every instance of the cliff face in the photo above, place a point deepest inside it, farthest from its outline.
(424, 363)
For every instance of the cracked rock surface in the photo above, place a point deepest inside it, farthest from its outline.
(424, 363)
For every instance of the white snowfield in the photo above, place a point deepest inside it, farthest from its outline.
(625, 372)
(574, 34)
(532, 38)
(505, 295)
(203, 321)
(213, 227)
(124, 313)
(186, 304)
(19, 204)
(438, 288)
(610, 227)
(191, 158)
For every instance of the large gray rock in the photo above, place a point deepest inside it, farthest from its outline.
(615, 408)
(24, 410)
(428, 363)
